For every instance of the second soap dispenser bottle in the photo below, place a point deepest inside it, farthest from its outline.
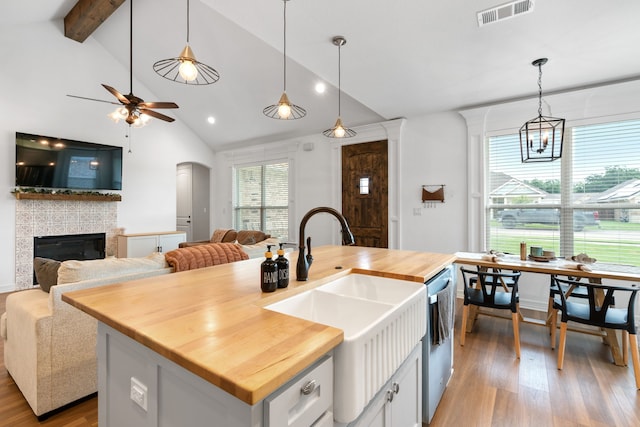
(283, 268)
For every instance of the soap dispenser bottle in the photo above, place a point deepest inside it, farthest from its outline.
(268, 272)
(283, 268)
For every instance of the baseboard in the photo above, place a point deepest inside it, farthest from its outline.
(9, 287)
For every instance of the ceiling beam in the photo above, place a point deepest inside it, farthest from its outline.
(87, 15)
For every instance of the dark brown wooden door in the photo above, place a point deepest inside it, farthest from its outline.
(365, 186)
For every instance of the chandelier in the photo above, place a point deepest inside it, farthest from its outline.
(541, 137)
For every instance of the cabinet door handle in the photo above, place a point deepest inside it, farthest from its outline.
(395, 388)
(308, 388)
(389, 395)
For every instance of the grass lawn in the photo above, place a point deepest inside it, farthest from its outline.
(614, 248)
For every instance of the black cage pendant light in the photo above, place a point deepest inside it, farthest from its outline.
(185, 68)
(338, 130)
(541, 138)
(284, 109)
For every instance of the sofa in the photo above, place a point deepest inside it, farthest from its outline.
(253, 242)
(49, 346)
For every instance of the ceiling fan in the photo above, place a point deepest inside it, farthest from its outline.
(134, 109)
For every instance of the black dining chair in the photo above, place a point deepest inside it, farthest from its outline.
(598, 311)
(575, 291)
(491, 289)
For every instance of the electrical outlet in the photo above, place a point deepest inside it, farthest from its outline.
(139, 393)
(417, 212)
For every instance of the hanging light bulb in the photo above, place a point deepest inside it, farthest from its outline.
(338, 130)
(284, 109)
(185, 68)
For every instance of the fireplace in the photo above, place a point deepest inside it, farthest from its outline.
(69, 246)
(42, 218)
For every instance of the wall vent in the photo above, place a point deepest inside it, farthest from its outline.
(505, 11)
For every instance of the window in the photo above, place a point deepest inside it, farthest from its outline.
(262, 199)
(587, 202)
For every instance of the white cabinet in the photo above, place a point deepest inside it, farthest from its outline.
(143, 244)
(399, 402)
(138, 387)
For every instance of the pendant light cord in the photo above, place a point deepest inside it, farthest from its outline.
(540, 90)
(187, 21)
(339, 77)
(284, 57)
(131, 47)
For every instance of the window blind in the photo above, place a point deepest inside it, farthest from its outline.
(262, 199)
(587, 202)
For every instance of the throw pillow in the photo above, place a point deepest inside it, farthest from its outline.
(46, 272)
(230, 236)
(250, 237)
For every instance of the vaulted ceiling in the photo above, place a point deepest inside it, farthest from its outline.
(402, 58)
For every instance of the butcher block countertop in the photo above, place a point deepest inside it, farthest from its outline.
(211, 322)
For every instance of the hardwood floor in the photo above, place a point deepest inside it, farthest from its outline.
(490, 387)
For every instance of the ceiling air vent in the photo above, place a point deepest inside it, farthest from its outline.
(505, 11)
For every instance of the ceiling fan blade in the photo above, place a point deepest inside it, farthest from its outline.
(156, 115)
(158, 105)
(117, 94)
(93, 99)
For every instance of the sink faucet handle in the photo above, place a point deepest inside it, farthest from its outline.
(309, 257)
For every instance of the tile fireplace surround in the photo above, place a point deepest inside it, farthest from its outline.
(56, 217)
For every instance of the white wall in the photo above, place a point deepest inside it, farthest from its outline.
(430, 149)
(41, 67)
(434, 153)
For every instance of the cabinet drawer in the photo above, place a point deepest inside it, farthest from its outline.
(303, 400)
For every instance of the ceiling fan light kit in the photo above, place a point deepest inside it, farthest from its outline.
(338, 130)
(541, 137)
(284, 109)
(186, 68)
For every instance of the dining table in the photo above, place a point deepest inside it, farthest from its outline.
(594, 272)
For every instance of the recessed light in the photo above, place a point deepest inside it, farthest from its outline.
(320, 87)
(211, 119)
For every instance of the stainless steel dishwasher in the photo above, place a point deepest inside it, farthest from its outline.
(437, 345)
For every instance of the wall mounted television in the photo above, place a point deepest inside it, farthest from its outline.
(48, 162)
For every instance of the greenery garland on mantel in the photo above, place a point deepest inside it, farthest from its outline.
(30, 193)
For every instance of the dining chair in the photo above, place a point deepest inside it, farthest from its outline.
(489, 289)
(575, 291)
(598, 311)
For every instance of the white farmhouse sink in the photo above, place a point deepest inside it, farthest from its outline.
(382, 319)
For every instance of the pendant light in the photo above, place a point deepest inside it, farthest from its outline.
(338, 130)
(541, 137)
(284, 109)
(185, 68)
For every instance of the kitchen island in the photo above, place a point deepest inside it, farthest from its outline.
(210, 322)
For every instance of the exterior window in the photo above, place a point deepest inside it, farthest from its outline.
(587, 202)
(262, 199)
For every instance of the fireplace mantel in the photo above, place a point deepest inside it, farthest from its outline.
(80, 197)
